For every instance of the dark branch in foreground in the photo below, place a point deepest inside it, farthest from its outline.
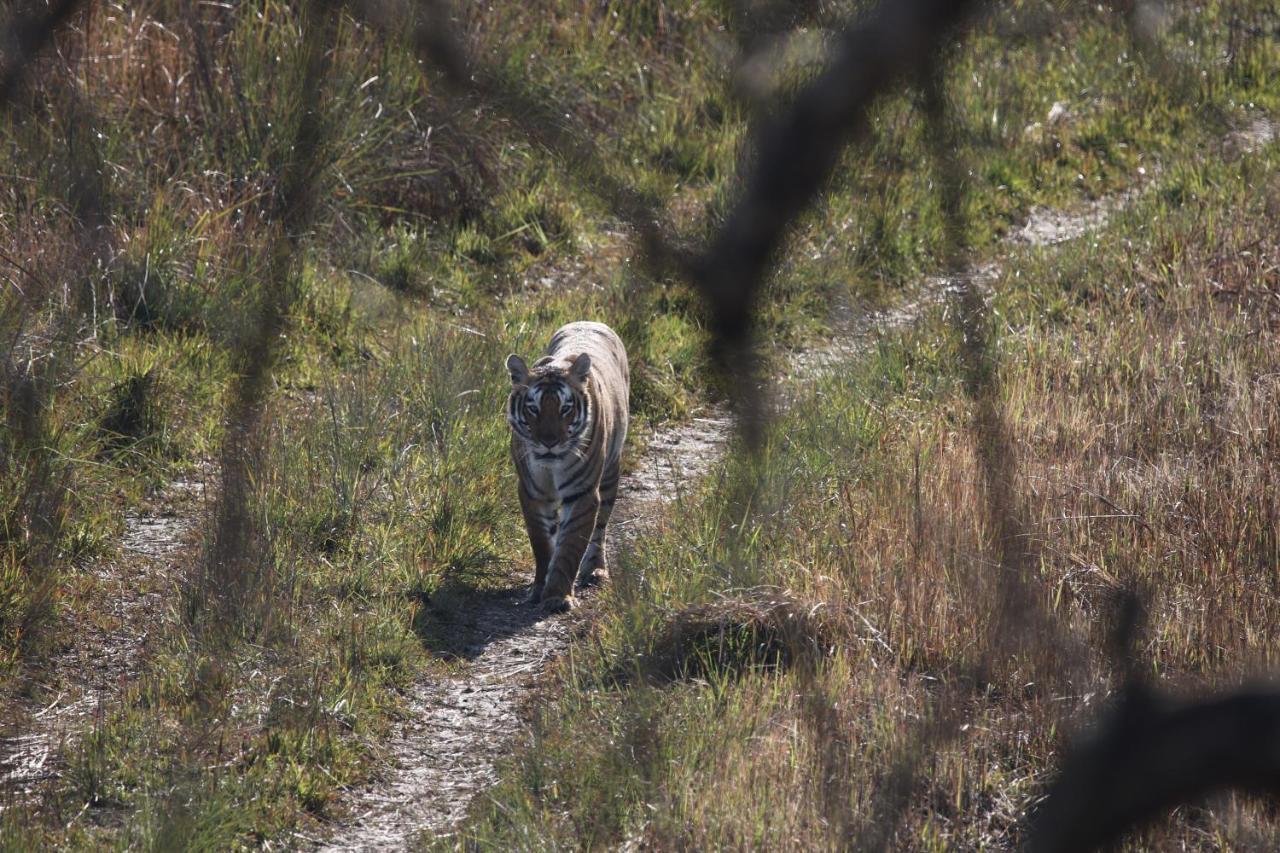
(24, 36)
(229, 568)
(1154, 755)
(797, 153)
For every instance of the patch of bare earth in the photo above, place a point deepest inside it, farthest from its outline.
(105, 648)
(457, 728)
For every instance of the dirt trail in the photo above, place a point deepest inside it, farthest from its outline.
(109, 646)
(456, 729)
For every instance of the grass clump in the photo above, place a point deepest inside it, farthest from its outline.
(757, 630)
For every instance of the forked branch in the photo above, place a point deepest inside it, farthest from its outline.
(1152, 755)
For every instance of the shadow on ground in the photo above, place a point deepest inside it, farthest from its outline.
(460, 622)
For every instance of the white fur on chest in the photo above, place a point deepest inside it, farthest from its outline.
(549, 475)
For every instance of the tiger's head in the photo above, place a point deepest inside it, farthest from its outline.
(549, 407)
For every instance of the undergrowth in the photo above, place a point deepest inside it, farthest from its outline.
(1137, 376)
(142, 162)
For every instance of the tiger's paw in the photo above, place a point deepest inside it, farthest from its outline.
(593, 578)
(534, 595)
(557, 604)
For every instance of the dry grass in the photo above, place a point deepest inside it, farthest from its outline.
(142, 178)
(1137, 373)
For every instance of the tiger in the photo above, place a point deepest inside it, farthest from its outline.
(569, 414)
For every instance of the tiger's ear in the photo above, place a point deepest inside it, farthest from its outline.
(580, 366)
(518, 370)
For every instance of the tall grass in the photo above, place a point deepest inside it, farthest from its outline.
(1137, 379)
(374, 492)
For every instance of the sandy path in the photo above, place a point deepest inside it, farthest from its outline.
(109, 647)
(444, 753)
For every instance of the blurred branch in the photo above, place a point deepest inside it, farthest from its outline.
(1019, 619)
(1019, 623)
(1152, 755)
(228, 564)
(38, 358)
(26, 33)
(796, 154)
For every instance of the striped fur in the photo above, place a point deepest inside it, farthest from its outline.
(568, 416)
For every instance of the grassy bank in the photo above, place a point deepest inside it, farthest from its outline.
(138, 233)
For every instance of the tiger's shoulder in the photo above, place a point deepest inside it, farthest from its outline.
(610, 369)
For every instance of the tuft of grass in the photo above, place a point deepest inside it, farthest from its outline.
(131, 416)
(741, 633)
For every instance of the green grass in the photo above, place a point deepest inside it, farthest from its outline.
(441, 240)
(1137, 379)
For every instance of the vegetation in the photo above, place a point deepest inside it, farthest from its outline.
(146, 159)
(852, 615)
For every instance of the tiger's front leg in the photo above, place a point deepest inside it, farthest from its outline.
(577, 522)
(595, 562)
(540, 523)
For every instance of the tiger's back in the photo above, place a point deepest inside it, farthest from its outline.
(569, 417)
(611, 387)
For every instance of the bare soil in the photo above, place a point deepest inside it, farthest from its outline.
(124, 596)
